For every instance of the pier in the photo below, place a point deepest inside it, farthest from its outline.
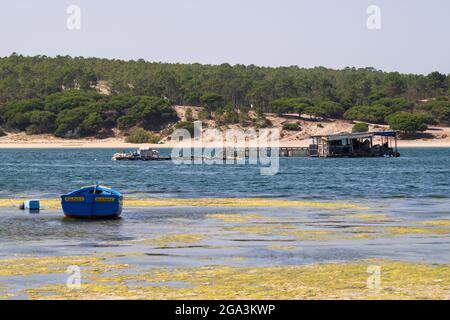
(366, 144)
(154, 155)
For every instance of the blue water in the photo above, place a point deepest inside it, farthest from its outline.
(419, 173)
(406, 191)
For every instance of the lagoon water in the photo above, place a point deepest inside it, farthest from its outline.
(401, 197)
(419, 173)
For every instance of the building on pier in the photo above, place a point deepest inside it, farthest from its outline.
(365, 144)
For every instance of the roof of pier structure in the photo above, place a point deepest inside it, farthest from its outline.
(358, 135)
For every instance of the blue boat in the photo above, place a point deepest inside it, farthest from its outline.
(92, 202)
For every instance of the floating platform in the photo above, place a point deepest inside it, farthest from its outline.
(134, 157)
(142, 154)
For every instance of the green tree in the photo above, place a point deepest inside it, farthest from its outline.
(152, 113)
(406, 122)
(212, 101)
(325, 109)
(438, 81)
(371, 114)
(68, 122)
(126, 122)
(192, 99)
(41, 122)
(290, 105)
(440, 110)
(92, 124)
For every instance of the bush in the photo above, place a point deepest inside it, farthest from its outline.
(204, 114)
(140, 135)
(291, 126)
(189, 126)
(263, 123)
(188, 115)
(406, 122)
(2, 133)
(360, 127)
(231, 116)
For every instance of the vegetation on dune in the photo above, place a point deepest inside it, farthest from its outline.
(57, 95)
(291, 126)
(360, 127)
(188, 115)
(139, 135)
(186, 125)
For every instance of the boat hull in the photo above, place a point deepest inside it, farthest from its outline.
(86, 204)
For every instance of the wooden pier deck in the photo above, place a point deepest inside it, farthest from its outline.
(282, 152)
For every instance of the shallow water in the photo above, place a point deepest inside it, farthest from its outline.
(399, 194)
(50, 234)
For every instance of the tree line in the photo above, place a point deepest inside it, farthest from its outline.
(56, 94)
(80, 113)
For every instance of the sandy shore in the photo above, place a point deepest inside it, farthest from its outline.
(435, 137)
(116, 143)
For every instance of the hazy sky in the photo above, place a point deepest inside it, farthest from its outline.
(414, 35)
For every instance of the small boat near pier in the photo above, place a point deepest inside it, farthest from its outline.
(143, 154)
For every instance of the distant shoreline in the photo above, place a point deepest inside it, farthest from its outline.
(115, 143)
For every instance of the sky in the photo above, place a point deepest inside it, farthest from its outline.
(413, 35)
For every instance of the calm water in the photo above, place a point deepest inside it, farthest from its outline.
(405, 192)
(419, 173)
